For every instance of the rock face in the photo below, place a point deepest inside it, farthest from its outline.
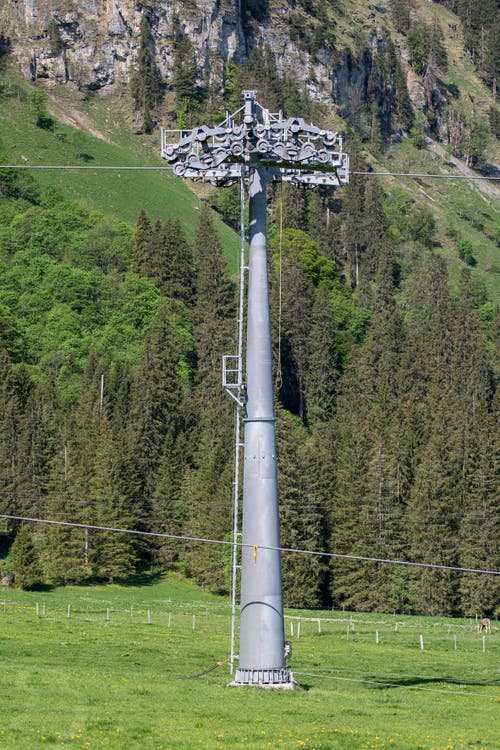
(94, 43)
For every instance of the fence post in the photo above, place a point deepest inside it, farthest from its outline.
(421, 642)
(69, 611)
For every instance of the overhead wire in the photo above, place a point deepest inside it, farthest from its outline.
(421, 175)
(146, 168)
(268, 548)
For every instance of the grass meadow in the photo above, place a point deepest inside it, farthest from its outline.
(105, 667)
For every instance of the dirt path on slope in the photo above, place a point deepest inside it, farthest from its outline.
(76, 118)
(484, 186)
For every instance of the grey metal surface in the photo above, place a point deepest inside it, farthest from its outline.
(262, 639)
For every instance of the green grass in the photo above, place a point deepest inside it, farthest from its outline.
(119, 194)
(457, 206)
(86, 682)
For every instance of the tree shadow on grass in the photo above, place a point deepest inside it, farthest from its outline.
(385, 683)
(144, 578)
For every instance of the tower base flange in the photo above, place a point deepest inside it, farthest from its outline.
(280, 678)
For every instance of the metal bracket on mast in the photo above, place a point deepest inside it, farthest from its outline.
(231, 377)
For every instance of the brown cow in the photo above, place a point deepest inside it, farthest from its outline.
(485, 625)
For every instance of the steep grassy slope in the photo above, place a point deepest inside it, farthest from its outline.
(461, 209)
(119, 194)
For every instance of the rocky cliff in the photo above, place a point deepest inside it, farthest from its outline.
(94, 43)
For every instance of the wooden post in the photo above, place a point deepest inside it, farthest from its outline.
(69, 611)
(348, 631)
(37, 609)
(149, 616)
(376, 637)
(319, 625)
(454, 641)
(421, 642)
(298, 629)
(484, 643)
(291, 628)
(194, 622)
(107, 614)
(169, 620)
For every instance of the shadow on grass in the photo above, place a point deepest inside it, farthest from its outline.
(384, 684)
(145, 578)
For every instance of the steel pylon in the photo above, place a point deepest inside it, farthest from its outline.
(258, 146)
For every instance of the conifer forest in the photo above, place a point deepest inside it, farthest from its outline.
(385, 352)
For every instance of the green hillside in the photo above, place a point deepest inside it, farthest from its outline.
(117, 194)
(117, 302)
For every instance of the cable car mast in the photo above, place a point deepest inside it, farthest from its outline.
(257, 146)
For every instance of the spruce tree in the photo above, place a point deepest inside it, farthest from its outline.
(9, 417)
(141, 247)
(292, 291)
(145, 80)
(67, 555)
(207, 495)
(447, 387)
(207, 486)
(112, 555)
(172, 268)
(323, 369)
(366, 515)
(302, 520)
(214, 309)
(25, 560)
(158, 382)
(184, 77)
(479, 533)
(169, 511)
(353, 236)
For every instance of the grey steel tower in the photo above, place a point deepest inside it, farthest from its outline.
(258, 146)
